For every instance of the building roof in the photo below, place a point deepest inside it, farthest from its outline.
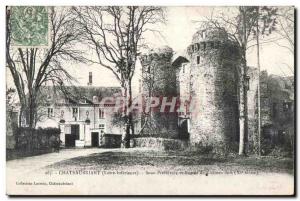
(78, 94)
(179, 58)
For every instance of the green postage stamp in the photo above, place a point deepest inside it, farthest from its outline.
(29, 26)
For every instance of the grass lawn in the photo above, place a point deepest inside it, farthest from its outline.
(189, 161)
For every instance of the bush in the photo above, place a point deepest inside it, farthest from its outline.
(31, 139)
(281, 144)
(112, 141)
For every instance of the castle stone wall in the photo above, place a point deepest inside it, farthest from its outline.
(159, 80)
(214, 119)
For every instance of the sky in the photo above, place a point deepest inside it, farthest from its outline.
(177, 33)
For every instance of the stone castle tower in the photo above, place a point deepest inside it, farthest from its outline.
(213, 89)
(159, 80)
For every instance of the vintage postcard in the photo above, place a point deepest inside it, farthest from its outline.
(150, 100)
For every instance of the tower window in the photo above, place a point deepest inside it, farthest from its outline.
(203, 34)
(183, 68)
(198, 59)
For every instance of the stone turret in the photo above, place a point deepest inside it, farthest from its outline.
(214, 88)
(159, 80)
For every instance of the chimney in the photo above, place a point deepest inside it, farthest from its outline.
(90, 79)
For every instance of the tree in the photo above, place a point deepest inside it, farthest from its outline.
(286, 30)
(31, 68)
(241, 27)
(286, 24)
(115, 34)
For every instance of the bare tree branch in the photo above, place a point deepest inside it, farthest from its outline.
(115, 34)
(33, 67)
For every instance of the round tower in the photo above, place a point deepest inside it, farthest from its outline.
(159, 80)
(214, 88)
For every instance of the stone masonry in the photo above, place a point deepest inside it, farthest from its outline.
(213, 78)
(159, 80)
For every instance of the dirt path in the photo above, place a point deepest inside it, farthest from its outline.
(132, 172)
(33, 163)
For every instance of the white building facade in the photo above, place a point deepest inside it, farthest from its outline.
(82, 118)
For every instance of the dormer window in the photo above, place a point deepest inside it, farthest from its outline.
(95, 99)
(83, 100)
(75, 113)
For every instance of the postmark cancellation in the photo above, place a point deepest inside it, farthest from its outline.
(29, 26)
